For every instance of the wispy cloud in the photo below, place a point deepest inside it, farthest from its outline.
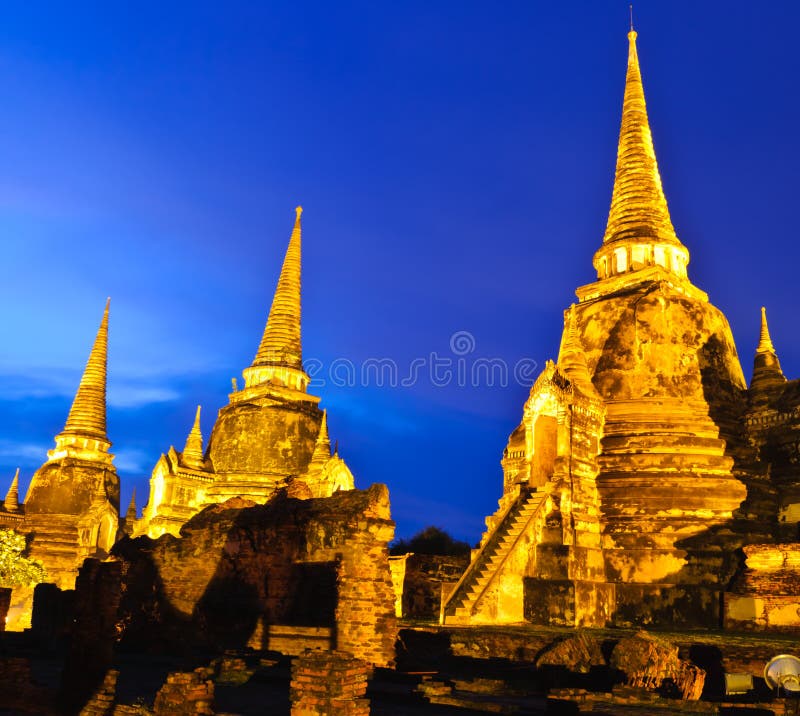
(31, 455)
(42, 384)
(136, 395)
(25, 452)
(121, 394)
(25, 455)
(132, 460)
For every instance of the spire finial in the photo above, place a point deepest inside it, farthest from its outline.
(87, 416)
(11, 503)
(572, 358)
(767, 371)
(193, 450)
(764, 341)
(131, 513)
(631, 9)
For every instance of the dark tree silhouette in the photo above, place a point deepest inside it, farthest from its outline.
(431, 540)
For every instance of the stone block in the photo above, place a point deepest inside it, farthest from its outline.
(666, 605)
(550, 602)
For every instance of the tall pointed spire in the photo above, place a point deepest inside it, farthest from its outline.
(767, 371)
(87, 417)
(638, 205)
(281, 340)
(639, 243)
(11, 503)
(193, 450)
(280, 355)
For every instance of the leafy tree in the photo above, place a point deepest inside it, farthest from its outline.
(17, 570)
(431, 540)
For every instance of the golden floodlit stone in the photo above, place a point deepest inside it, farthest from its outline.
(71, 510)
(271, 435)
(639, 467)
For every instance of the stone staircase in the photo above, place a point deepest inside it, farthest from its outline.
(490, 557)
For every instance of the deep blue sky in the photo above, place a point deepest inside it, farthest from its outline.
(455, 162)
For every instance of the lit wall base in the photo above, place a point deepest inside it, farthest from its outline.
(691, 606)
(568, 602)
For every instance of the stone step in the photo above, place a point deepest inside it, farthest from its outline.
(511, 535)
(457, 619)
(505, 536)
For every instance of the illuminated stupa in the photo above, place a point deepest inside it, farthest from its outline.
(271, 435)
(71, 510)
(633, 477)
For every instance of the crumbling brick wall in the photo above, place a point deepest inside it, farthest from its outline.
(765, 596)
(425, 577)
(188, 693)
(238, 567)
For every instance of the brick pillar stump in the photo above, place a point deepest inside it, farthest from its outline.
(329, 683)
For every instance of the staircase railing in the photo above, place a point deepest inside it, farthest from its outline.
(488, 545)
(539, 508)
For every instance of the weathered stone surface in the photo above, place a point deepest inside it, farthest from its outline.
(186, 694)
(648, 661)
(766, 595)
(239, 568)
(654, 461)
(577, 653)
(331, 683)
(101, 703)
(420, 581)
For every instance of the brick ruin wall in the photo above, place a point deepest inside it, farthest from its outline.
(765, 596)
(421, 581)
(239, 568)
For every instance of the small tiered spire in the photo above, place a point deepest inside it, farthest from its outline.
(11, 503)
(322, 448)
(100, 493)
(87, 416)
(572, 358)
(130, 515)
(193, 450)
(767, 371)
